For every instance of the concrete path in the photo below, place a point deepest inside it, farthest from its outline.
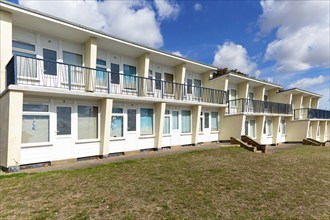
(97, 162)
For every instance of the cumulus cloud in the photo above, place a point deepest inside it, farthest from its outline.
(178, 53)
(167, 9)
(234, 56)
(134, 20)
(307, 82)
(198, 7)
(302, 34)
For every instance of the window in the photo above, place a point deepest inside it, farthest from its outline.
(185, 121)
(251, 95)
(146, 121)
(268, 128)
(158, 81)
(233, 97)
(131, 120)
(50, 59)
(214, 121)
(72, 58)
(189, 86)
(87, 122)
(252, 128)
(206, 120)
(150, 82)
(114, 73)
(101, 73)
(201, 119)
(35, 123)
(318, 131)
(167, 128)
(117, 123)
(26, 62)
(175, 120)
(77, 76)
(283, 127)
(266, 98)
(168, 83)
(197, 87)
(130, 77)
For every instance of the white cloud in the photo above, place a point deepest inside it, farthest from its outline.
(302, 34)
(167, 9)
(178, 53)
(198, 7)
(134, 20)
(234, 56)
(307, 82)
(324, 102)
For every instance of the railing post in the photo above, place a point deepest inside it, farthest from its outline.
(69, 76)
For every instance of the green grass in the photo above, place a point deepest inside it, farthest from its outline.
(226, 183)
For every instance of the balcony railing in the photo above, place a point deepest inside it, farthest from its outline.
(310, 113)
(23, 70)
(257, 106)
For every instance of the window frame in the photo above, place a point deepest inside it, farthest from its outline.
(182, 121)
(152, 122)
(217, 121)
(97, 127)
(177, 121)
(118, 114)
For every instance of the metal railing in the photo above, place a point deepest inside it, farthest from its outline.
(22, 70)
(309, 113)
(257, 106)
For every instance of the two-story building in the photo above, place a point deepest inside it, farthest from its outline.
(70, 92)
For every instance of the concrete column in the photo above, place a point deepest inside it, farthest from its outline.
(90, 62)
(159, 124)
(196, 112)
(327, 130)
(315, 125)
(307, 101)
(143, 71)
(315, 103)
(221, 115)
(297, 101)
(5, 46)
(105, 124)
(259, 93)
(243, 90)
(276, 125)
(260, 123)
(11, 104)
(180, 73)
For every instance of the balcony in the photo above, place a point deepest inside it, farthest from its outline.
(310, 113)
(257, 106)
(23, 70)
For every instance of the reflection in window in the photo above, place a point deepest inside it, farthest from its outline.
(146, 121)
(214, 121)
(87, 122)
(175, 120)
(186, 121)
(35, 129)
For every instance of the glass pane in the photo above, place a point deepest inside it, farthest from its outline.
(117, 126)
(101, 76)
(63, 120)
(168, 83)
(175, 120)
(114, 73)
(146, 121)
(26, 64)
(131, 120)
(35, 108)
(72, 58)
(246, 127)
(35, 129)
(197, 88)
(166, 129)
(24, 46)
(158, 82)
(186, 121)
(117, 110)
(50, 58)
(253, 128)
(101, 62)
(189, 86)
(87, 122)
(214, 121)
(206, 120)
(201, 124)
(130, 77)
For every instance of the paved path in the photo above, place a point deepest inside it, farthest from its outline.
(96, 162)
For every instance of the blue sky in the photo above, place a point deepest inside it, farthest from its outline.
(285, 42)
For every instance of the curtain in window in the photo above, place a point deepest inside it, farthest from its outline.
(146, 121)
(87, 122)
(186, 121)
(117, 126)
(166, 129)
(101, 76)
(214, 121)
(35, 129)
(130, 77)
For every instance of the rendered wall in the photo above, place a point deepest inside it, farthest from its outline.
(231, 126)
(296, 130)
(11, 126)
(105, 121)
(5, 45)
(159, 123)
(196, 112)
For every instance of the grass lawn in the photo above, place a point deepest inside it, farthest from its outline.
(226, 183)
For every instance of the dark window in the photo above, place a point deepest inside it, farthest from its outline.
(158, 81)
(50, 65)
(131, 120)
(114, 73)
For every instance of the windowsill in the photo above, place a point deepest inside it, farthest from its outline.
(167, 135)
(87, 141)
(214, 132)
(146, 136)
(31, 145)
(185, 134)
(201, 133)
(117, 139)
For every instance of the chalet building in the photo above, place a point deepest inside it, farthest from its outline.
(69, 92)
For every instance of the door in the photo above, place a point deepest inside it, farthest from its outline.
(50, 68)
(168, 83)
(132, 135)
(197, 89)
(63, 143)
(115, 78)
(158, 85)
